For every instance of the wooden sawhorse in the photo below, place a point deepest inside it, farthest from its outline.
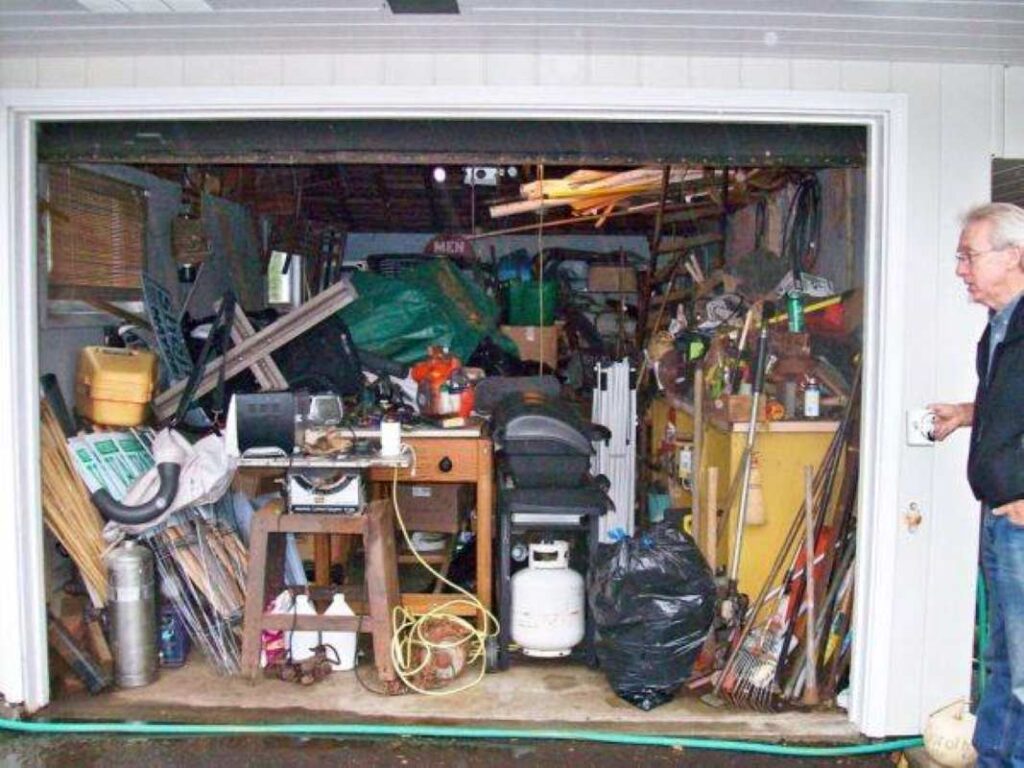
(266, 579)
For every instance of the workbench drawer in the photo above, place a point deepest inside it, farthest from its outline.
(445, 460)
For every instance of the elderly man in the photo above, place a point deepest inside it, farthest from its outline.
(990, 261)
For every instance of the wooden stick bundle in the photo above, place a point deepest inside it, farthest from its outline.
(67, 510)
(588, 191)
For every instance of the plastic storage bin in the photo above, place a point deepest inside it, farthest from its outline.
(524, 302)
(113, 386)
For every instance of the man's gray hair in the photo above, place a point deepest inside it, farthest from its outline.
(1007, 222)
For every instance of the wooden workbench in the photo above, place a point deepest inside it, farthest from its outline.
(452, 456)
(463, 455)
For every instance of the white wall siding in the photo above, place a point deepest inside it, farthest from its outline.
(359, 69)
(108, 71)
(959, 115)
(708, 72)
(922, 84)
(206, 70)
(1013, 113)
(465, 69)
(967, 144)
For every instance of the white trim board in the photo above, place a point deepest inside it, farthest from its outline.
(23, 668)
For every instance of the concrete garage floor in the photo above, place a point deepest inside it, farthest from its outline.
(557, 696)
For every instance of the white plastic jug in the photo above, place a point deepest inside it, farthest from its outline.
(302, 642)
(344, 643)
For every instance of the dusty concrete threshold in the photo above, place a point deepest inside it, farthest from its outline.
(550, 697)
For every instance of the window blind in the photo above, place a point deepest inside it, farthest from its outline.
(97, 229)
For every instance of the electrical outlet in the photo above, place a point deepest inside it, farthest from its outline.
(684, 461)
(920, 423)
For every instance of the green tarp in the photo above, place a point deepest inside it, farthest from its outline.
(432, 304)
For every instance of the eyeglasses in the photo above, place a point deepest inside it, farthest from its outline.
(969, 257)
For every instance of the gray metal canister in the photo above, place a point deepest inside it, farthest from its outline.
(132, 602)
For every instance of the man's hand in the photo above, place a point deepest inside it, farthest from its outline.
(949, 417)
(1014, 510)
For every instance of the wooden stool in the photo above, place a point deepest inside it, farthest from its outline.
(266, 577)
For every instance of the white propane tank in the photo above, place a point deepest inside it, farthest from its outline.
(547, 602)
(947, 737)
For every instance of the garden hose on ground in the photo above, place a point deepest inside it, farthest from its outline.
(137, 728)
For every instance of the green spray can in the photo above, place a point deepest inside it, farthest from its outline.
(795, 311)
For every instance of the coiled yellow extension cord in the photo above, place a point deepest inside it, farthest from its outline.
(409, 628)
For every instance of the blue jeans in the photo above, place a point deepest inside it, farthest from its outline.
(999, 734)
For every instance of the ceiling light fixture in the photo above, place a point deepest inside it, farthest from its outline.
(424, 7)
(440, 174)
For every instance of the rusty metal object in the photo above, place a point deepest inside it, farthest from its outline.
(443, 654)
(306, 672)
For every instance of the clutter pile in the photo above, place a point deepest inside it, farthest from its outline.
(674, 471)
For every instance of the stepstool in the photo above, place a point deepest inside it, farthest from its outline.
(266, 577)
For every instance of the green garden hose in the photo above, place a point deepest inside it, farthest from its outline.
(136, 728)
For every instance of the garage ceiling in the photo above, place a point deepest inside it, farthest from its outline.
(378, 175)
(981, 31)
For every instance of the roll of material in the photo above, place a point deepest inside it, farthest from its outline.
(390, 437)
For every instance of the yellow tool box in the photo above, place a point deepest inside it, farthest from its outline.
(113, 386)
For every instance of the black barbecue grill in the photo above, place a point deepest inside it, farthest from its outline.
(544, 448)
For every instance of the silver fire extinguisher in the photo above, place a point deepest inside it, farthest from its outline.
(132, 602)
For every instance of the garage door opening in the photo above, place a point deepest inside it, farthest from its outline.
(692, 223)
(871, 391)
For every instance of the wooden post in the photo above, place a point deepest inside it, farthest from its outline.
(709, 525)
(698, 445)
(381, 583)
(484, 523)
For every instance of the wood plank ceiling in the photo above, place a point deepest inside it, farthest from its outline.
(980, 31)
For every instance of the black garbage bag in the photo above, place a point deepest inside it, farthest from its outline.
(653, 600)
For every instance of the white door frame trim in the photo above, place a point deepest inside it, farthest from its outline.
(22, 619)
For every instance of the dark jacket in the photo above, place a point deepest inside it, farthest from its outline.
(995, 467)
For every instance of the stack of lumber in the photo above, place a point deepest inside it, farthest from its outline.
(67, 510)
(591, 192)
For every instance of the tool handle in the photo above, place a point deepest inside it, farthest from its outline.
(761, 358)
(169, 474)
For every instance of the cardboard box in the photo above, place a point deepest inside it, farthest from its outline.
(609, 278)
(528, 339)
(736, 408)
(438, 507)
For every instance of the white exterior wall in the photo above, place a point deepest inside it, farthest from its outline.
(959, 116)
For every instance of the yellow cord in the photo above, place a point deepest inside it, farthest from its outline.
(409, 628)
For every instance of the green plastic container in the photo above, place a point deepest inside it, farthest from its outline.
(524, 302)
